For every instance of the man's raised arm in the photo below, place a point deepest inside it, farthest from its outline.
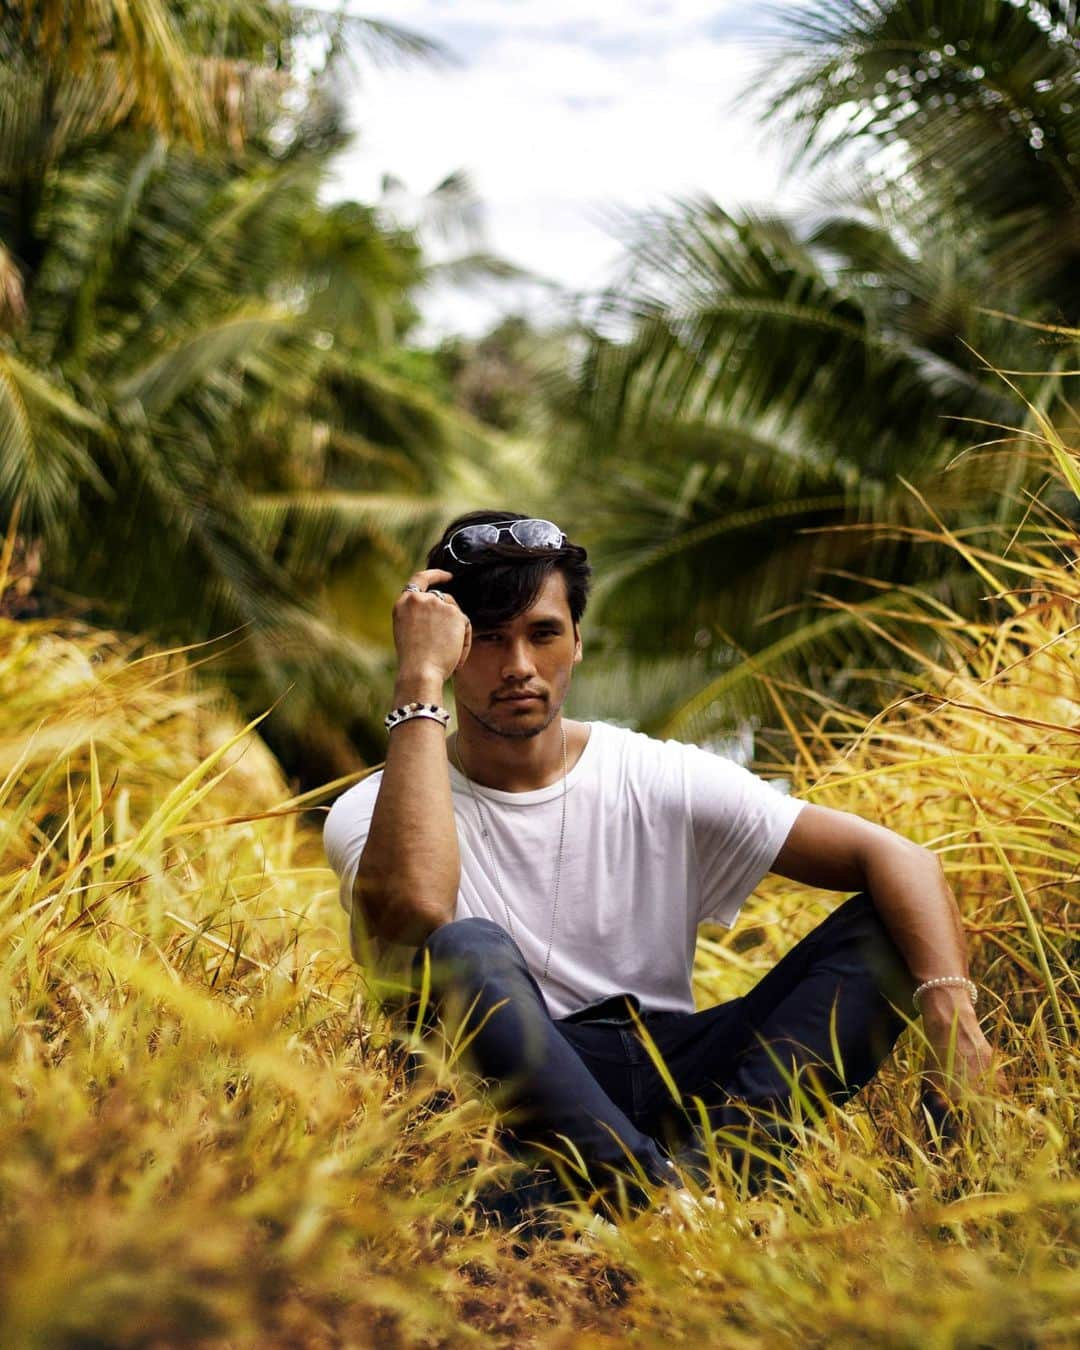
(407, 879)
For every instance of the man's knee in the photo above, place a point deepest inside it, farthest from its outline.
(855, 915)
(458, 962)
(468, 946)
(857, 921)
(880, 953)
(465, 937)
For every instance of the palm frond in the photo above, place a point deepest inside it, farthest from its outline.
(735, 318)
(976, 100)
(147, 53)
(475, 269)
(43, 458)
(391, 44)
(314, 531)
(237, 342)
(740, 692)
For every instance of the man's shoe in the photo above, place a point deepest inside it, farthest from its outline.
(596, 1234)
(691, 1210)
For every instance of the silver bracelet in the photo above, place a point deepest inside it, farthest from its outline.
(947, 982)
(410, 710)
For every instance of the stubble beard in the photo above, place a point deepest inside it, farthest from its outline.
(511, 732)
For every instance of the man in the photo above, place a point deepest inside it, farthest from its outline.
(553, 874)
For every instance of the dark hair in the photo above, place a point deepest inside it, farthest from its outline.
(506, 579)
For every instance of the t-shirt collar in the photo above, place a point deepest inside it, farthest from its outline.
(544, 794)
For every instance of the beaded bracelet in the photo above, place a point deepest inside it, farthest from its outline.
(947, 982)
(411, 710)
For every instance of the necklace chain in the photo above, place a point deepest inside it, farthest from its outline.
(486, 834)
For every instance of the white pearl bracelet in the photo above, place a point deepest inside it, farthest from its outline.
(947, 982)
(410, 710)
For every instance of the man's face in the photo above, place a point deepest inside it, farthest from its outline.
(517, 676)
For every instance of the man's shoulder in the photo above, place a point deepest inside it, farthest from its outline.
(634, 757)
(620, 739)
(637, 757)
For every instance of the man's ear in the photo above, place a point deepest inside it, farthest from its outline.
(577, 643)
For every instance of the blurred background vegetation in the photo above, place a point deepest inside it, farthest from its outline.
(214, 422)
(826, 468)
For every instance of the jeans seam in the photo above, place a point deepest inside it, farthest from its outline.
(631, 1050)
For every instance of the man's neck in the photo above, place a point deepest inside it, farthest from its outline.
(516, 764)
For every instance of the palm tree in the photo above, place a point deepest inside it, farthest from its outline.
(783, 376)
(200, 415)
(203, 74)
(981, 100)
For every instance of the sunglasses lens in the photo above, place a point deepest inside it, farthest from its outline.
(474, 539)
(537, 534)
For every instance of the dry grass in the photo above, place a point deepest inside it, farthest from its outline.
(206, 1136)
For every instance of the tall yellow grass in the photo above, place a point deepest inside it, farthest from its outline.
(205, 1134)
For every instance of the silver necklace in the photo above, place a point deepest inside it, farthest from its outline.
(485, 832)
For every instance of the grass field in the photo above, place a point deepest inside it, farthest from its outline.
(205, 1135)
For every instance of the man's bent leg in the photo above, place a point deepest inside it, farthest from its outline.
(478, 974)
(823, 1019)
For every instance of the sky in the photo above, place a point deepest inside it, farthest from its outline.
(565, 117)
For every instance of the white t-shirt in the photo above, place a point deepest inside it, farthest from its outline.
(660, 837)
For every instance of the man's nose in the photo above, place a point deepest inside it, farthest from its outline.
(518, 662)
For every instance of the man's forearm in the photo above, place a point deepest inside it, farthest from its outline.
(913, 898)
(916, 904)
(407, 879)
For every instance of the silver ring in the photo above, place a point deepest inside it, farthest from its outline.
(439, 594)
(412, 586)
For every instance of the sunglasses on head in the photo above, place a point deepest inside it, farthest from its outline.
(466, 544)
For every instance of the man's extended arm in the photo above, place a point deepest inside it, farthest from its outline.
(407, 879)
(842, 852)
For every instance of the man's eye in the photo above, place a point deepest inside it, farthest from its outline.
(486, 637)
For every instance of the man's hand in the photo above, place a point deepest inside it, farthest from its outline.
(432, 636)
(962, 1057)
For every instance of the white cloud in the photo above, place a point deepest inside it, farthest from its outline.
(530, 15)
(559, 117)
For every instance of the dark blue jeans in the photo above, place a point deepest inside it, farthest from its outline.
(825, 1017)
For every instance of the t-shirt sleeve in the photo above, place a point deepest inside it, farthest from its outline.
(345, 834)
(739, 823)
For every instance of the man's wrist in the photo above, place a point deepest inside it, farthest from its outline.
(944, 1003)
(418, 687)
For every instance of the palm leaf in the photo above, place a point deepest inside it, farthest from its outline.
(235, 342)
(148, 51)
(736, 318)
(43, 460)
(980, 99)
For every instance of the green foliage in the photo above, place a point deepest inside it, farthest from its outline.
(495, 378)
(204, 416)
(979, 97)
(203, 73)
(775, 384)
